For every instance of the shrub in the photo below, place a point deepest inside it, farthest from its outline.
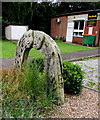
(72, 75)
(24, 92)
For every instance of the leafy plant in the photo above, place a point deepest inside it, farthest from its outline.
(24, 92)
(72, 75)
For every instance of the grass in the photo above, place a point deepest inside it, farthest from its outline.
(24, 93)
(67, 48)
(88, 58)
(8, 49)
(90, 84)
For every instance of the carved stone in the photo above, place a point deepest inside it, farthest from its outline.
(53, 62)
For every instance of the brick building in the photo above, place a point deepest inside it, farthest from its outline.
(72, 27)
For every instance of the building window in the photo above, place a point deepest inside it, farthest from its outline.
(78, 28)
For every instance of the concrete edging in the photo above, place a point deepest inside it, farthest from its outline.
(81, 58)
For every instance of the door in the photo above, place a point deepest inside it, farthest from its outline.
(69, 35)
(90, 30)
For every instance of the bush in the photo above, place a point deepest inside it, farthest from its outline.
(24, 92)
(72, 75)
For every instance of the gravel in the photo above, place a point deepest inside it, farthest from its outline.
(85, 105)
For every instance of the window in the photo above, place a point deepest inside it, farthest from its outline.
(81, 25)
(75, 25)
(78, 28)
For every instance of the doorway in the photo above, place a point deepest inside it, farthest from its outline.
(69, 34)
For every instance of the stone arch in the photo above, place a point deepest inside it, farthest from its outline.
(53, 62)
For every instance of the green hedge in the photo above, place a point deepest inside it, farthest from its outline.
(73, 76)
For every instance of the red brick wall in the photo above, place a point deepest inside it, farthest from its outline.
(96, 30)
(77, 40)
(86, 28)
(59, 29)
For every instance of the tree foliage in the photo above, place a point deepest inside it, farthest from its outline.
(38, 14)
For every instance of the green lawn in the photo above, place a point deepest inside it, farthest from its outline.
(8, 49)
(66, 48)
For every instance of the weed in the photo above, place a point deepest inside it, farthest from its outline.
(88, 67)
(98, 88)
(89, 58)
(97, 76)
(24, 93)
(90, 84)
(91, 79)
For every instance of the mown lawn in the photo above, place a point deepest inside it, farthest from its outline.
(67, 48)
(8, 49)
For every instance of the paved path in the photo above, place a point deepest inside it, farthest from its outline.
(91, 68)
(81, 54)
(9, 62)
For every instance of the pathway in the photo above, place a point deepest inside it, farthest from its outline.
(91, 68)
(9, 62)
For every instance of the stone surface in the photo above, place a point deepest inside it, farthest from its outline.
(53, 62)
(91, 68)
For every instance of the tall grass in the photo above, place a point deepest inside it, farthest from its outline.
(24, 92)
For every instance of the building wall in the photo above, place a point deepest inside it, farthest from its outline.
(76, 39)
(98, 36)
(81, 16)
(63, 30)
(95, 32)
(59, 29)
(15, 32)
(8, 32)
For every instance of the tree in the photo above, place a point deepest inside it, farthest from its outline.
(38, 14)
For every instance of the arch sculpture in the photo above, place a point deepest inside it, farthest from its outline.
(45, 44)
